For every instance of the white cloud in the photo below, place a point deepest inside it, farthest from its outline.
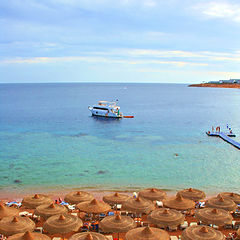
(96, 59)
(220, 9)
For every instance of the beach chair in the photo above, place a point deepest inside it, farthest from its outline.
(109, 237)
(119, 206)
(172, 228)
(14, 204)
(102, 215)
(159, 204)
(237, 225)
(215, 227)
(70, 207)
(74, 214)
(228, 226)
(184, 225)
(193, 224)
(24, 214)
(110, 213)
(38, 230)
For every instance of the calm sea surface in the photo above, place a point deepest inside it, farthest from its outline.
(48, 138)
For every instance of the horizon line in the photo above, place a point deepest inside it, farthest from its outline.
(94, 82)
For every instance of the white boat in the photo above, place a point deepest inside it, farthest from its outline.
(106, 109)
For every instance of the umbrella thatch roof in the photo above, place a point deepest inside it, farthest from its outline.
(164, 217)
(147, 233)
(201, 232)
(178, 203)
(62, 224)
(214, 216)
(116, 198)
(47, 210)
(13, 225)
(234, 196)
(138, 205)
(117, 224)
(94, 206)
(29, 236)
(36, 200)
(78, 197)
(193, 194)
(220, 202)
(152, 194)
(88, 236)
(238, 233)
(7, 211)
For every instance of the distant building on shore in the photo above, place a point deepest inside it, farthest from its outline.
(226, 81)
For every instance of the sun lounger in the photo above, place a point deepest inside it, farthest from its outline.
(237, 225)
(24, 214)
(172, 228)
(38, 230)
(193, 224)
(71, 207)
(173, 238)
(109, 237)
(74, 214)
(184, 225)
(110, 213)
(228, 226)
(159, 204)
(15, 204)
(215, 227)
(134, 194)
(119, 206)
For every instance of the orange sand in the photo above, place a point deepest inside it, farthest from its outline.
(217, 85)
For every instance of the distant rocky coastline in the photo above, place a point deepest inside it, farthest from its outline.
(216, 85)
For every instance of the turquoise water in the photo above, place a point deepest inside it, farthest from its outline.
(48, 138)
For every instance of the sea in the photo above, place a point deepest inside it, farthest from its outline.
(49, 140)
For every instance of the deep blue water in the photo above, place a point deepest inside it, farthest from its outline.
(49, 139)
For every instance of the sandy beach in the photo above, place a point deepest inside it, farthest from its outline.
(212, 85)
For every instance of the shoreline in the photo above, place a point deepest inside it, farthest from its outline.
(98, 193)
(216, 85)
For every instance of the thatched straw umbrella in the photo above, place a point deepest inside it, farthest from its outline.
(147, 233)
(45, 211)
(62, 224)
(36, 200)
(117, 224)
(13, 225)
(7, 211)
(29, 236)
(88, 236)
(201, 232)
(78, 197)
(218, 217)
(234, 196)
(220, 202)
(179, 203)
(94, 207)
(192, 194)
(238, 233)
(116, 198)
(138, 205)
(152, 194)
(166, 217)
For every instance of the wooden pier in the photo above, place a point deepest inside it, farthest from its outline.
(225, 137)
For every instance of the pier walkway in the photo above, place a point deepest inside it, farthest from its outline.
(225, 137)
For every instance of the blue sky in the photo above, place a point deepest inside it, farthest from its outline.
(174, 41)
